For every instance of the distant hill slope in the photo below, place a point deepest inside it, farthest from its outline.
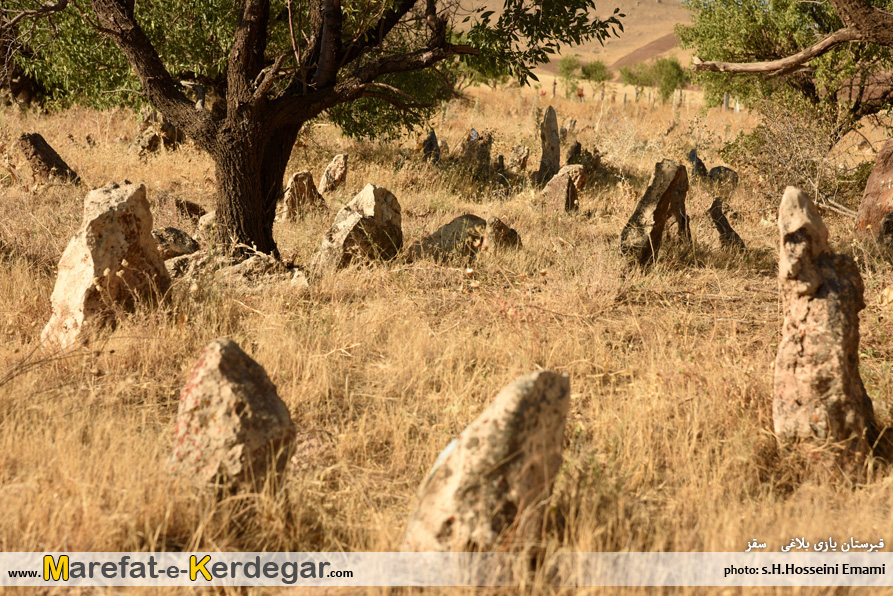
(648, 33)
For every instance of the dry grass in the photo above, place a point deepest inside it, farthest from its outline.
(669, 443)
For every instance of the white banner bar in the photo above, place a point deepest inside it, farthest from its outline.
(445, 569)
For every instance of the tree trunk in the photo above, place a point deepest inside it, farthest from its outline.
(250, 166)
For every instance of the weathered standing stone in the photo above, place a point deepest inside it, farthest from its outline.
(885, 234)
(698, 169)
(174, 243)
(820, 401)
(368, 228)
(518, 158)
(728, 237)
(335, 174)
(877, 200)
(300, 198)
(111, 263)
(550, 162)
(664, 198)
(431, 148)
(232, 427)
(561, 193)
(444, 149)
(44, 161)
(488, 488)
(474, 153)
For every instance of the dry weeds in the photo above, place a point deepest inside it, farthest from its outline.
(668, 445)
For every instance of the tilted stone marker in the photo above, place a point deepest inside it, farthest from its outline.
(820, 401)
(334, 174)
(728, 237)
(560, 194)
(698, 169)
(300, 198)
(550, 161)
(474, 153)
(664, 198)
(44, 161)
(498, 235)
(487, 488)
(111, 263)
(232, 427)
(366, 229)
(518, 158)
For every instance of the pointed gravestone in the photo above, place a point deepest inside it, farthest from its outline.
(728, 237)
(44, 161)
(664, 198)
(300, 198)
(820, 401)
(232, 428)
(489, 485)
(334, 174)
(550, 161)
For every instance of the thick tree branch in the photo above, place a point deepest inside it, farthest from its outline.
(375, 34)
(117, 21)
(875, 25)
(329, 44)
(784, 65)
(246, 59)
(45, 10)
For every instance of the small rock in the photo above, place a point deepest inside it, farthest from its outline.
(366, 229)
(174, 243)
(664, 198)
(728, 237)
(300, 198)
(334, 175)
(498, 236)
(578, 174)
(561, 194)
(207, 221)
(550, 161)
(723, 176)
(111, 264)
(885, 233)
(444, 149)
(820, 402)
(518, 158)
(462, 237)
(489, 486)
(232, 427)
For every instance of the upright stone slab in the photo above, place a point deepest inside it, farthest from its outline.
(232, 427)
(487, 488)
(111, 264)
(698, 169)
(366, 229)
(820, 401)
(550, 161)
(578, 174)
(300, 198)
(877, 200)
(664, 198)
(728, 237)
(334, 175)
(431, 148)
(44, 161)
(560, 194)
(723, 176)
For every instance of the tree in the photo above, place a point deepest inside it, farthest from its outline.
(637, 75)
(668, 75)
(277, 64)
(567, 72)
(596, 73)
(844, 45)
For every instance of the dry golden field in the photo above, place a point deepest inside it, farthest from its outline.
(668, 445)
